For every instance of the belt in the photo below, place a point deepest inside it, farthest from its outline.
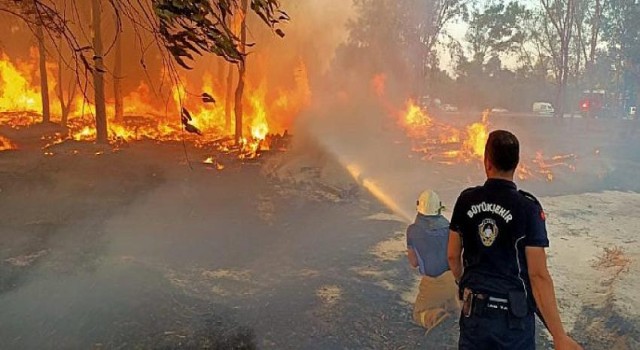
(478, 302)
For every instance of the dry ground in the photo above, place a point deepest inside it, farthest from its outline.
(131, 248)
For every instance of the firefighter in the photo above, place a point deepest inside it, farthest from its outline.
(502, 271)
(427, 250)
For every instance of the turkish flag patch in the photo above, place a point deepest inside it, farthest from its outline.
(542, 215)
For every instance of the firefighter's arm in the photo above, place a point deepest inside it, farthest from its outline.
(454, 254)
(545, 297)
(413, 259)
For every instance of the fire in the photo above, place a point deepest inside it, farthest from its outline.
(267, 111)
(440, 141)
(258, 124)
(477, 136)
(449, 145)
(6, 144)
(17, 92)
(213, 162)
(414, 116)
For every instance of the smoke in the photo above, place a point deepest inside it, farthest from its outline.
(355, 109)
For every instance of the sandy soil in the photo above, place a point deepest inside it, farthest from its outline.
(133, 248)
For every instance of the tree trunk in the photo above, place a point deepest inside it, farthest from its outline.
(44, 82)
(65, 105)
(98, 73)
(241, 74)
(117, 80)
(228, 96)
(595, 31)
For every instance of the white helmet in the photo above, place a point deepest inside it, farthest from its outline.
(429, 203)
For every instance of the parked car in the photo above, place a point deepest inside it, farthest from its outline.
(499, 110)
(449, 108)
(543, 108)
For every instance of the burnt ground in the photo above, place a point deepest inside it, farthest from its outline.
(133, 248)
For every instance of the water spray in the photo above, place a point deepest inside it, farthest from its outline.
(377, 191)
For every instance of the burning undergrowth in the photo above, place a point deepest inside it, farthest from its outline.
(180, 114)
(437, 141)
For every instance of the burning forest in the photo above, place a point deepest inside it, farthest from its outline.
(241, 174)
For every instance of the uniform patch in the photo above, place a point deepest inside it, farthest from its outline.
(488, 231)
(543, 216)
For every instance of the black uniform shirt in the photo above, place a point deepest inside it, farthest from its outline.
(496, 222)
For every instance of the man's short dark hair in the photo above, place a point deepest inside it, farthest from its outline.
(503, 150)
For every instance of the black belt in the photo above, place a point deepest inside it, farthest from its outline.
(477, 303)
(492, 303)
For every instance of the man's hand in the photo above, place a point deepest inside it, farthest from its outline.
(413, 258)
(565, 342)
(545, 297)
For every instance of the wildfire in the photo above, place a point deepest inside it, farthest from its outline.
(477, 136)
(440, 141)
(211, 161)
(17, 92)
(6, 144)
(267, 111)
(415, 117)
(446, 144)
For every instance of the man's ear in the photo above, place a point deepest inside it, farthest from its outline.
(488, 167)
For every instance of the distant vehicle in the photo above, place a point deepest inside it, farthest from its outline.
(499, 110)
(543, 108)
(632, 112)
(449, 108)
(593, 103)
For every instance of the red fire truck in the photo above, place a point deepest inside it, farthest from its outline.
(593, 104)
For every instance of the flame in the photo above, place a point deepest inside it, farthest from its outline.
(267, 111)
(450, 145)
(17, 92)
(414, 116)
(477, 136)
(6, 144)
(438, 140)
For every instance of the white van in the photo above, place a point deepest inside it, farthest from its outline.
(544, 108)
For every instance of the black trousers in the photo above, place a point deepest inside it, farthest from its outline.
(496, 329)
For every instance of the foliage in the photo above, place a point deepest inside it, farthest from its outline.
(496, 29)
(398, 37)
(194, 27)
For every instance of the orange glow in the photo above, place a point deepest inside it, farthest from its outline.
(440, 141)
(414, 116)
(267, 110)
(477, 135)
(17, 95)
(6, 144)
(445, 144)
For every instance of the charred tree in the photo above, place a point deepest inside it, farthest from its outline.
(241, 72)
(44, 82)
(98, 73)
(117, 79)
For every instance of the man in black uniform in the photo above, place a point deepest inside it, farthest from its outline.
(502, 272)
